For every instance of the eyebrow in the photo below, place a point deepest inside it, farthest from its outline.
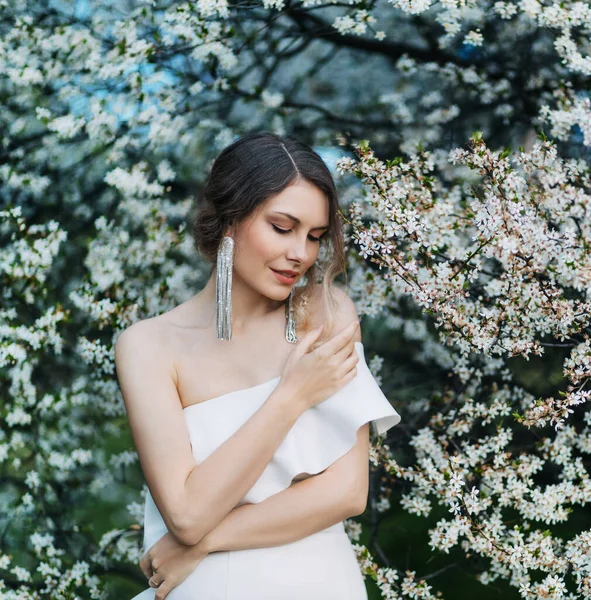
(296, 220)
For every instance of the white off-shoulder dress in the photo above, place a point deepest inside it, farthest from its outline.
(321, 566)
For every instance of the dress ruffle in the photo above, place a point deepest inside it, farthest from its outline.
(326, 432)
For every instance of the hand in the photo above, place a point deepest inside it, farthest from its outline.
(314, 375)
(174, 572)
(166, 548)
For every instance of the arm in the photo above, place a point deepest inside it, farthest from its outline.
(192, 498)
(304, 508)
(241, 459)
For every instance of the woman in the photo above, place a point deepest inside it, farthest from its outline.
(251, 422)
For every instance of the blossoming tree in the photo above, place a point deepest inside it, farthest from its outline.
(470, 237)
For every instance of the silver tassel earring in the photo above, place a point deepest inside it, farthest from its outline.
(223, 289)
(290, 328)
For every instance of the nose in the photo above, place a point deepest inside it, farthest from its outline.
(298, 249)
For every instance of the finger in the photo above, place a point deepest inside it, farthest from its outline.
(349, 376)
(350, 364)
(348, 351)
(308, 339)
(162, 592)
(155, 580)
(341, 339)
(145, 566)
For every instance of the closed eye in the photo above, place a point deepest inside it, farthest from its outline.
(283, 231)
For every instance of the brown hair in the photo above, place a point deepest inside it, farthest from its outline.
(251, 169)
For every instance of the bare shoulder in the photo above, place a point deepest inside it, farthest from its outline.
(145, 341)
(145, 331)
(344, 312)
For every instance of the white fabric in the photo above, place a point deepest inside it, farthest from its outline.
(320, 436)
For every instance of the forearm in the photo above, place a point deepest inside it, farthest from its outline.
(216, 485)
(296, 512)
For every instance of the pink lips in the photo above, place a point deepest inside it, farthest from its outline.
(284, 278)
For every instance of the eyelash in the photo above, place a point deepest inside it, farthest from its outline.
(283, 231)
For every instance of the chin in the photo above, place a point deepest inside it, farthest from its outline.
(282, 294)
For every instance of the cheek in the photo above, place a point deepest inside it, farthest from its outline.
(262, 242)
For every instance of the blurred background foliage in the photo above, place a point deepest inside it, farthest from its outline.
(111, 114)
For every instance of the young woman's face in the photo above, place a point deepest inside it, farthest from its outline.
(271, 241)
